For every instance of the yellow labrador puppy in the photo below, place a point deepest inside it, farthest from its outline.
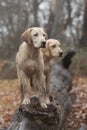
(53, 50)
(30, 63)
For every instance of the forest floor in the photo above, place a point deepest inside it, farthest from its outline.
(10, 100)
(78, 114)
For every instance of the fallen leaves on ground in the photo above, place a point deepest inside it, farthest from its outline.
(10, 99)
(78, 114)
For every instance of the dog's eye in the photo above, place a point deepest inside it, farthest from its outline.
(53, 46)
(44, 35)
(36, 34)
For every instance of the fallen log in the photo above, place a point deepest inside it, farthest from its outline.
(33, 117)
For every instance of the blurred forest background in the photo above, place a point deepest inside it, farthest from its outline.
(65, 20)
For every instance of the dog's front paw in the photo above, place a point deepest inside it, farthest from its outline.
(26, 100)
(42, 102)
(47, 100)
(43, 105)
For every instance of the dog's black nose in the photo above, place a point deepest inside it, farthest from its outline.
(43, 43)
(61, 53)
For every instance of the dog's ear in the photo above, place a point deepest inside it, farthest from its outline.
(47, 49)
(47, 44)
(26, 35)
(45, 52)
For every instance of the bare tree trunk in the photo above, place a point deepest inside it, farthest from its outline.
(35, 12)
(83, 40)
(57, 24)
(50, 23)
(69, 19)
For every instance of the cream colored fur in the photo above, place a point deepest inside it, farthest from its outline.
(53, 50)
(30, 64)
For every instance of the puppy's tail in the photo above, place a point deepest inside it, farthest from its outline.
(67, 59)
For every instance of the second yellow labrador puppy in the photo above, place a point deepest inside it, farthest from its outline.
(53, 50)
